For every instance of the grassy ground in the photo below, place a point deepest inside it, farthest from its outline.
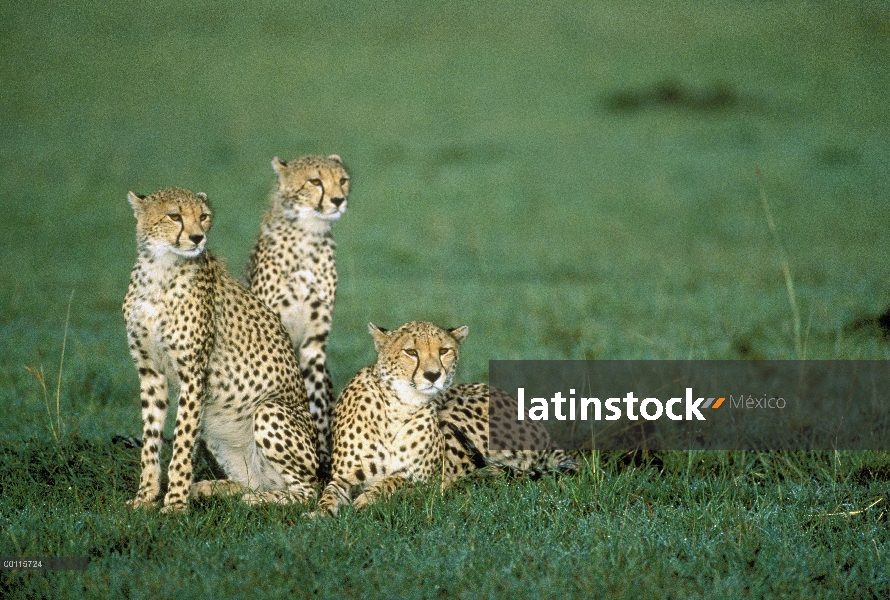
(571, 181)
(706, 525)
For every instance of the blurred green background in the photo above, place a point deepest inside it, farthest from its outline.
(570, 180)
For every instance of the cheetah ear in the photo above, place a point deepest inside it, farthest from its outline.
(336, 157)
(460, 333)
(279, 165)
(136, 202)
(202, 196)
(379, 335)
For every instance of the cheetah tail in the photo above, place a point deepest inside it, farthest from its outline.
(473, 452)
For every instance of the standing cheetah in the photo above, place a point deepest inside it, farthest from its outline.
(239, 382)
(464, 419)
(292, 270)
(386, 431)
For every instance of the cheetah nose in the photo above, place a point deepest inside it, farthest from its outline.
(197, 238)
(338, 201)
(432, 376)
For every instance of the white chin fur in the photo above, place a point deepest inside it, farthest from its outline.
(414, 395)
(429, 389)
(305, 215)
(310, 221)
(189, 253)
(332, 216)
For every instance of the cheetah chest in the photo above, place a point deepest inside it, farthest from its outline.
(297, 311)
(413, 447)
(146, 323)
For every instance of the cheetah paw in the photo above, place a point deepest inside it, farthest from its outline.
(321, 512)
(362, 501)
(252, 499)
(140, 502)
(177, 507)
(201, 489)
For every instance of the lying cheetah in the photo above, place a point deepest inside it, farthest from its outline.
(464, 420)
(240, 387)
(386, 429)
(292, 270)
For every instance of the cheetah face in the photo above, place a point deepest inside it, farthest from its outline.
(312, 187)
(418, 359)
(172, 221)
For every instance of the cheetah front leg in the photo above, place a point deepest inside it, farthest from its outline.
(382, 489)
(188, 422)
(335, 495)
(319, 390)
(153, 393)
(287, 439)
(348, 476)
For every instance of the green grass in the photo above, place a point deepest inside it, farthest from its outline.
(803, 525)
(494, 187)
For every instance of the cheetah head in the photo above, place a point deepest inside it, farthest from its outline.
(417, 359)
(172, 221)
(312, 188)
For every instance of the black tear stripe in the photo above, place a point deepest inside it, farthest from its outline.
(417, 363)
(181, 226)
(321, 200)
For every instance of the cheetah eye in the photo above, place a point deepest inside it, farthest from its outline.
(344, 181)
(444, 351)
(315, 182)
(204, 217)
(410, 352)
(175, 217)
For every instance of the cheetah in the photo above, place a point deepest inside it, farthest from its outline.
(386, 429)
(240, 389)
(292, 270)
(463, 413)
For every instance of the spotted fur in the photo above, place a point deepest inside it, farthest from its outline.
(464, 420)
(292, 270)
(240, 389)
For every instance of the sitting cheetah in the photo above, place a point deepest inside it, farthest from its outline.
(240, 387)
(386, 430)
(292, 270)
(464, 419)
